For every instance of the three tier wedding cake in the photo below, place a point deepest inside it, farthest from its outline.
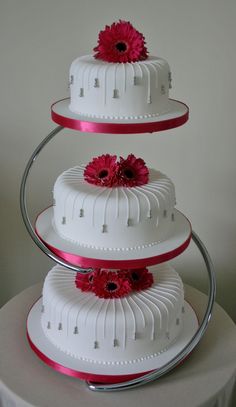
(115, 208)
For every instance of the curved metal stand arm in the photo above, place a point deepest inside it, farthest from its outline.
(187, 349)
(23, 205)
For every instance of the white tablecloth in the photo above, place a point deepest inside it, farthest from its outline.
(206, 379)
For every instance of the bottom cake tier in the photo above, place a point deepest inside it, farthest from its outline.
(114, 331)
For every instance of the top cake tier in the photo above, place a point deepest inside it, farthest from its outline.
(132, 90)
(120, 89)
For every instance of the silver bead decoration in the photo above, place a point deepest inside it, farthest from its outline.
(104, 228)
(172, 217)
(60, 326)
(128, 222)
(76, 330)
(149, 214)
(81, 213)
(115, 94)
(149, 99)
(49, 325)
(96, 83)
(81, 92)
(165, 213)
(115, 343)
(95, 345)
(71, 79)
(177, 321)
(163, 90)
(167, 335)
(63, 220)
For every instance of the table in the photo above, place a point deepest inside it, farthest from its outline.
(206, 379)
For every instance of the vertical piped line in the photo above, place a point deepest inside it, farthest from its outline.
(83, 76)
(156, 199)
(138, 189)
(148, 295)
(127, 205)
(105, 317)
(105, 206)
(105, 84)
(94, 204)
(133, 76)
(115, 74)
(84, 302)
(114, 320)
(133, 318)
(149, 97)
(117, 202)
(142, 301)
(144, 323)
(102, 305)
(74, 203)
(138, 203)
(124, 75)
(124, 320)
(91, 306)
(136, 64)
(91, 68)
(153, 66)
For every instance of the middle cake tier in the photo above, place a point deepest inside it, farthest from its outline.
(114, 217)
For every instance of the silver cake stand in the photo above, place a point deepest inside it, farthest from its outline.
(185, 352)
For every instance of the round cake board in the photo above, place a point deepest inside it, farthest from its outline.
(177, 114)
(180, 236)
(101, 372)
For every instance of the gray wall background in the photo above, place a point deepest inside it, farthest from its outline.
(39, 40)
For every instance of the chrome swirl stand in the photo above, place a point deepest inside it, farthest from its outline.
(155, 374)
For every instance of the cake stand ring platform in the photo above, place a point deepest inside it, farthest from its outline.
(177, 114)
(82, 262)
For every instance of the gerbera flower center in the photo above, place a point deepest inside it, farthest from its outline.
(103, 173)
(111, 286)
(128, 173)
(121, 46)
(135, 276)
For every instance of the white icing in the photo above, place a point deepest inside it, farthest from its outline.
(119, 218)
(112, 331)
(119, 90)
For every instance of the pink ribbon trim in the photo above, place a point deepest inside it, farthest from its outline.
(86, 262)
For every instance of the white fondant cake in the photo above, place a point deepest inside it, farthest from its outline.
(117, 218)
(119, 90)
(112, 331)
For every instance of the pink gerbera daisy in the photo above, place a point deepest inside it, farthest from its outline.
(102, 171)
(121, 42)
(140, 279)
(111, 284)
(84, 281)
(132, 171)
